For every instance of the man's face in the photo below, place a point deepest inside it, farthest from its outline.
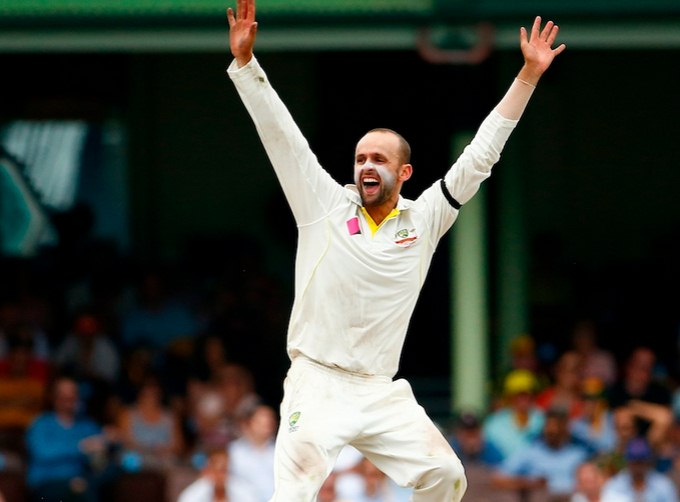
(66, 397)
(378, 168)
(555, 431)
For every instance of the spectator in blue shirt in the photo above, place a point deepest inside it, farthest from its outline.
(63, 448)
(469, 443)
(518, 422)
(638, 480)
(549, 462)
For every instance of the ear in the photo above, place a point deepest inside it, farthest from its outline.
(405, 172)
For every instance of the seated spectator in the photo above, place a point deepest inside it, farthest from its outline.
(638, 480)
(469, 443)
(66, 450)
(589, 482)
(215, 484)
(549, 462)
(216, 407)
(654, 420)
(649, 399)
(565, 391)
(90, 358)
(252, 453)
(597, 362)
(87, 353)
(150, 431)
(519, 421)
(595, 427)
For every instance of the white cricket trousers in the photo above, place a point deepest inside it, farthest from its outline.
(323, 409)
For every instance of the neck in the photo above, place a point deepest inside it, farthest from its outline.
(522, 417)
(377, 214)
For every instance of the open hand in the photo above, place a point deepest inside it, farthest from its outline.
(537, 46)
(242, 30)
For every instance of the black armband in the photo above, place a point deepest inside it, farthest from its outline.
(454, 203)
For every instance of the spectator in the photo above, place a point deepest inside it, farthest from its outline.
(252, 454)
(549, 462)
(66, 450)
(150, 430)
(597, 362)
(518, 422)
(215, 484)
(638, 480)
(595, 427)
(91, 358)
(469, 443)
(650, 401)
(589, 482)
(216, 407)
(87, 353)
(565, 391)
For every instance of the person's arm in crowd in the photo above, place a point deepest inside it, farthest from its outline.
(658, 415)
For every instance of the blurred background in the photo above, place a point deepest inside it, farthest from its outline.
(128, 159)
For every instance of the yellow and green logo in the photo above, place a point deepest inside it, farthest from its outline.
(293, 420)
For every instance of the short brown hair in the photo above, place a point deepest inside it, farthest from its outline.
(404, 147)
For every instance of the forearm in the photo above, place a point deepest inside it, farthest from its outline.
(515, 100)
(659, 416)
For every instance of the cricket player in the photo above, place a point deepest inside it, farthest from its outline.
(363, 254)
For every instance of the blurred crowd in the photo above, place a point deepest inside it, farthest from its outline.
(121, 381)
(588, 427)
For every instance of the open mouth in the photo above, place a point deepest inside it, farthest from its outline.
(371, 184)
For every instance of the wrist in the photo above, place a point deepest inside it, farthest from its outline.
(529, 75)
(243, 60)
(528, 84)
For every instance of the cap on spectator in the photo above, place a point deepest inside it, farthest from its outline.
(519, 381)
(638, 449)
(468, 420)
